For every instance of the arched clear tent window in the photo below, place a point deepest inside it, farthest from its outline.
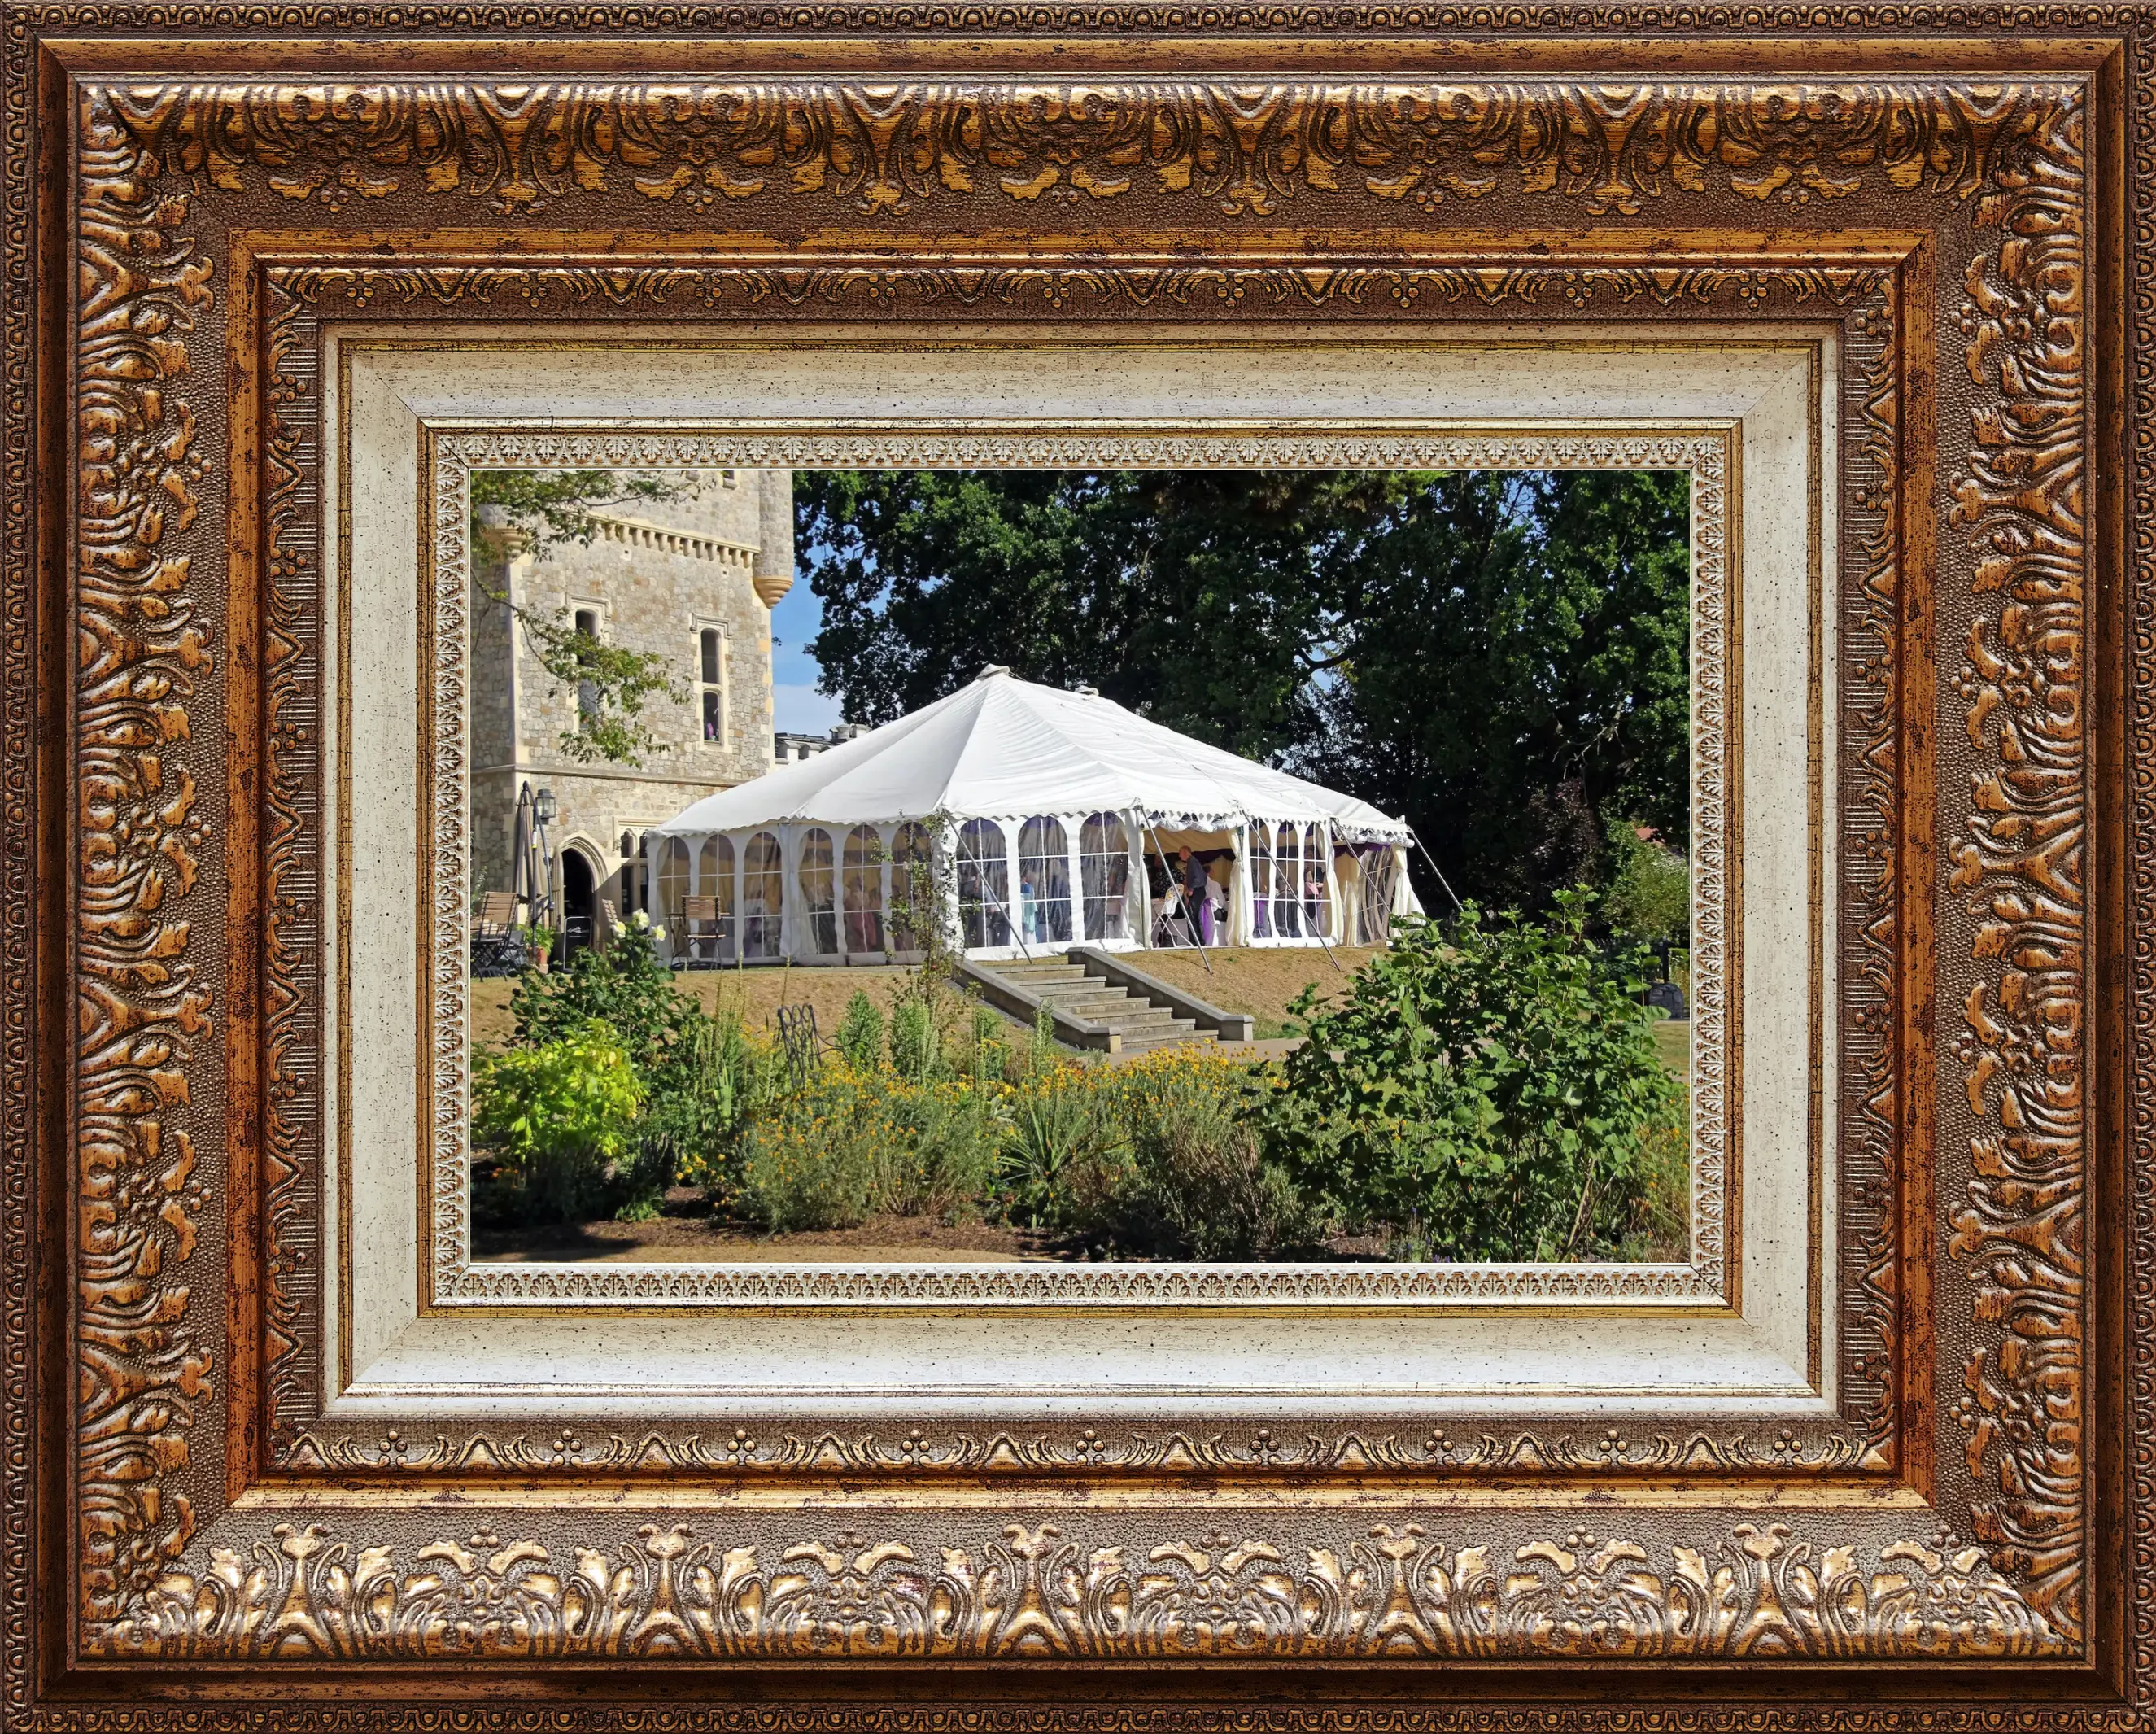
(983, 878)
(1288, 882)
(862, 888)
(672, 882)
(1379, 866)
(912, 889)
(1316, 914)
(763, 895)
(1261, 880)
(716, 881)
(1043, 882)
(1104, 872)
(818, 894)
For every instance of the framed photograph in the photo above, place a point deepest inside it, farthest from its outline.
(869, 866)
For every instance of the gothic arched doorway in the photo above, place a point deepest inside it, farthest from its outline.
(579, 899)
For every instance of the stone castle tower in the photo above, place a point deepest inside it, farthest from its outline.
(692, 580)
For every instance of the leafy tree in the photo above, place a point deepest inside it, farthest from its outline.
(1492, 1091)
(1188, 596)
(1503, 658)
(1515, 673)
(542, 508)
(1648, 896)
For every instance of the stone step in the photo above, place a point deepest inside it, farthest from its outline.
(1151, 1043)
(1140, 1026)
(1076, 1000)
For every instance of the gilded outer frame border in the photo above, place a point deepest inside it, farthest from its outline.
(2058, 1377)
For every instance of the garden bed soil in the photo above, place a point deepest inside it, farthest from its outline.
(683, 1239)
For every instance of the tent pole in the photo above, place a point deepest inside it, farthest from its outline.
(1323, 938)
(1437, 870)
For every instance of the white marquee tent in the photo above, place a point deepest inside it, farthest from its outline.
(1048, 807)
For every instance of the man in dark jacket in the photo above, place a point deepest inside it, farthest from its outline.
(1197, 902)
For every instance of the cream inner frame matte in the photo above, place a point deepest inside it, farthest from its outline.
(1271, 1338)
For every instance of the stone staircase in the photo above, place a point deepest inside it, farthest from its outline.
(1142, 1025)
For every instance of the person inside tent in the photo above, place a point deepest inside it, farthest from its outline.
(1195, 881)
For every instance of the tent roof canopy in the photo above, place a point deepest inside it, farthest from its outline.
(1003, 748)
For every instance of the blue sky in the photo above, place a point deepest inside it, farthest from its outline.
(797, 707)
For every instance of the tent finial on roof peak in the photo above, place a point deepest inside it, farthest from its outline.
(991, 668)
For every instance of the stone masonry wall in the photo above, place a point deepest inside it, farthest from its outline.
(656, 575)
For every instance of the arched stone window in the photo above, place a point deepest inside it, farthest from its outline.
(1043, 882)
(763, 895)
(1287, 887)
(983, 883)
(819, 912)
(862, 888)
(1104, 876)
(1261, 880)
(913, 910)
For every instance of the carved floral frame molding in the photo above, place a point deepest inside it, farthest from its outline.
(155, 1029)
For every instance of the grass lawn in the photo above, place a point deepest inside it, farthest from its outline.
(1672, 1041)
(1259, 980)
(759, 994)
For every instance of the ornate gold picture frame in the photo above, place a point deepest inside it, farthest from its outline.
(217, 222)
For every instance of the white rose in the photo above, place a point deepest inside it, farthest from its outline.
(640, 919)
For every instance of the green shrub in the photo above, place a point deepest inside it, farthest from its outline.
(720, 1079)
(1491, 1092)
(944, 1164)
(859, 1037)
(916, 1042)
(625, 986)
(562, 1117)
(1186, 1177)
(854, 1143)
(1063, 1138)
(991, 1053)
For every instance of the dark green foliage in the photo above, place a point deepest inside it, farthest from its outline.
(1503, 658)
(1186, 594)
(1516, 674)
(1171, 1167)
(1490, 1093)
